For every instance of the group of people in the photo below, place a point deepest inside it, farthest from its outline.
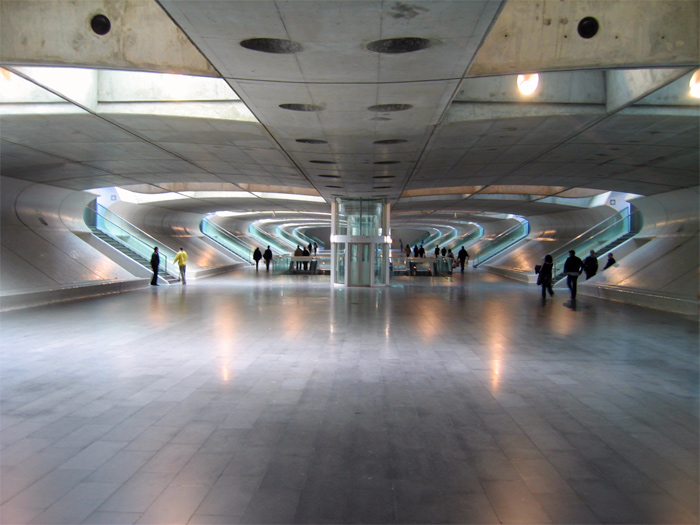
(304, 252)
(257, 255)
(180, 259)
(419, 251)
(573, 267)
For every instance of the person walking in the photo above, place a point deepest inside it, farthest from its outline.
(437, 251)
(408, 250)
(257, 255)
(155, 263)
(462, 255)
(268, 257)
(590, 265)
(315, 247)
(181, 260)
(611, 261)
(572, 269)
(544, 279)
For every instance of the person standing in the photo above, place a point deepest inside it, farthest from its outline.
(437, 252)
(611, 261)
(315, 247)
(544, 279)
(463, 255)
(572, 269)
(268, 257)
(257, 255)
(155, 263)
(590, 265)
(298, 253)
(408, 250)
(181, 260)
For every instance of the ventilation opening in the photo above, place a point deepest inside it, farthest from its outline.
(381, 108)
(312, 141)
(272, 45)
(301, 107)
(100, 25)
(588, 27)
(399, 45)
(322, 161)
(388, 162)
(390, 141)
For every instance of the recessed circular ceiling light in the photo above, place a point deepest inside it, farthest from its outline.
(387, 162)
(383, 108)
(527, 84)
(588, 27)
(312, 141)
(100, 24)
(695, 84)
(399, 45)
(322, 161)
(272, 45)
(301, 107)
(390, 141)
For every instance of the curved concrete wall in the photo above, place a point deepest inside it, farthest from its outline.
(40, 248)
(661, 269)
(547, 233)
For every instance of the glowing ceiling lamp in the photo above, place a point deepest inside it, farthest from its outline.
(695, 84)
(527, 84)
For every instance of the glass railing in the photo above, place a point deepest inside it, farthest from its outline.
(274, 242)
(469, 238)
(401, 265)
(598, 237)
(127, 234)
(227, 239)
(502, 242)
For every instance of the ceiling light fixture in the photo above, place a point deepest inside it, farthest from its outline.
(527, 84)
(695, 84)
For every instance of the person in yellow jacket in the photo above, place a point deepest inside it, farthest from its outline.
(181, 260)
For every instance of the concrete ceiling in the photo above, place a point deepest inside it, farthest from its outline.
(612, 112)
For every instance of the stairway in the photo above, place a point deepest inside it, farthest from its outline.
(114, 243)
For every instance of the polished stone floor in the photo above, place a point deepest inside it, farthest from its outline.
(258, 399)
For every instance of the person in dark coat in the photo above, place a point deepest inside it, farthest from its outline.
(415, 250)
(437, 252)
(155, 263)
(257, 255)
(611, 261)
(544, 279)
(444, 251)
(268, 257)
(305, 252)
(572, 269)
(463, 255)
(590, 265)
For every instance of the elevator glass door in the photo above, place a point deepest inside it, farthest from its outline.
(360, 269)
